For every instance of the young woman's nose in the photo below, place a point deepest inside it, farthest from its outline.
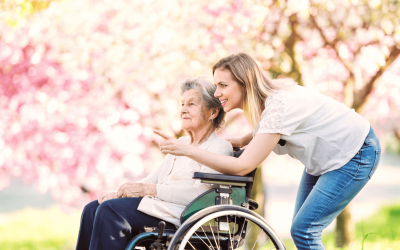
(217, 93)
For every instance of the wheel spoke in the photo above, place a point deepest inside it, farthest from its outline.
(248, 232)
(191, 245)
(217, 230)
(212, 231)
(241, 231)
(234, 226)
(257, 240)
(203, 241)
(229, 231)
(207, 237)
(263, 242)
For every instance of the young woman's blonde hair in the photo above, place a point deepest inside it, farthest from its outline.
(256, 84)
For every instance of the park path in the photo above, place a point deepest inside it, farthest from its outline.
(281, 176)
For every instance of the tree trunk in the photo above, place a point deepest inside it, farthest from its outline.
(344, 228)
(257, 194)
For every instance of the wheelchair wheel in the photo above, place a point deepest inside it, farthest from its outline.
(226, 230)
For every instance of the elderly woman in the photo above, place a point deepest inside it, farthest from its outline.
(115, 218)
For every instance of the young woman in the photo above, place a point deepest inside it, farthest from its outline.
(338, 147)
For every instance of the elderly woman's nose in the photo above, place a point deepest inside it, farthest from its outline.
(183, 109)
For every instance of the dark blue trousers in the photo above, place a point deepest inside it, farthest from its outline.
(112, 224)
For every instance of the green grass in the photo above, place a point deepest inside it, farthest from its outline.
(39, 229)
(52, 229)
(381, 231)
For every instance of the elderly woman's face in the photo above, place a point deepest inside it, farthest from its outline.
(194, 112)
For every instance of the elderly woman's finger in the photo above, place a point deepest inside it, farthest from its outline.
(122, 188)
(158, 132)
(103, 199)
(132, 194)
(167, 151)
(100, 199)
(164, 143)
(119, 193)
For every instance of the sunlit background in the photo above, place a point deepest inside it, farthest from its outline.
(84, 82)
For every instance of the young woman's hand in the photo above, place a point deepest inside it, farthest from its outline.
(107, 196)
(131, 189)
(172, 146)
(236, 142)
(241, 142)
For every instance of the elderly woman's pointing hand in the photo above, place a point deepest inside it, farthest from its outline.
(173, 146)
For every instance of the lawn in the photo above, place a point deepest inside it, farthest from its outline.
(48, 229)
(52, 229)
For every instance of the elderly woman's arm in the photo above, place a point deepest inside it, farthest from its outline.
(146, 186)
(181, 195)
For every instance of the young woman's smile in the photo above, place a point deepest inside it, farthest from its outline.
(229, 91)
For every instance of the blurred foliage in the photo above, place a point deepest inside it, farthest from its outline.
(17, 9)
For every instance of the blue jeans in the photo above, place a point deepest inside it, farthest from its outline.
(321, 199)
(112, 224)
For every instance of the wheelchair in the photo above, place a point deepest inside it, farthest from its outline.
(219, 219)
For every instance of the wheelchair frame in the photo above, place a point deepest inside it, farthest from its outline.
(231, 199)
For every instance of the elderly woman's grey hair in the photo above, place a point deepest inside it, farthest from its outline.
(207, 90)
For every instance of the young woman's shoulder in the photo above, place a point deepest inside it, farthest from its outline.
(297, 96)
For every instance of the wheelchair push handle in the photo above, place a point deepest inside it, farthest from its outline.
(161, 228)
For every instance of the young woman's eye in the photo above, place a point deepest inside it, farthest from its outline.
(192, 103)
(223, 85)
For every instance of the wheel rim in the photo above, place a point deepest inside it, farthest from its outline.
(231, 235)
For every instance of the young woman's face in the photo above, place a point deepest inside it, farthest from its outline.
(229, 92)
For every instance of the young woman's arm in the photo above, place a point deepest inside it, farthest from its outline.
(247, 139)
(241, 142)
(256, 152)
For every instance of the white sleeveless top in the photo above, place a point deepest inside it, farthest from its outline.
(319, 131)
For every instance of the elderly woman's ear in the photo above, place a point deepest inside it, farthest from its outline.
(214, 113)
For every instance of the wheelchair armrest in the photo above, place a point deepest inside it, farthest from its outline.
(223, 179)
